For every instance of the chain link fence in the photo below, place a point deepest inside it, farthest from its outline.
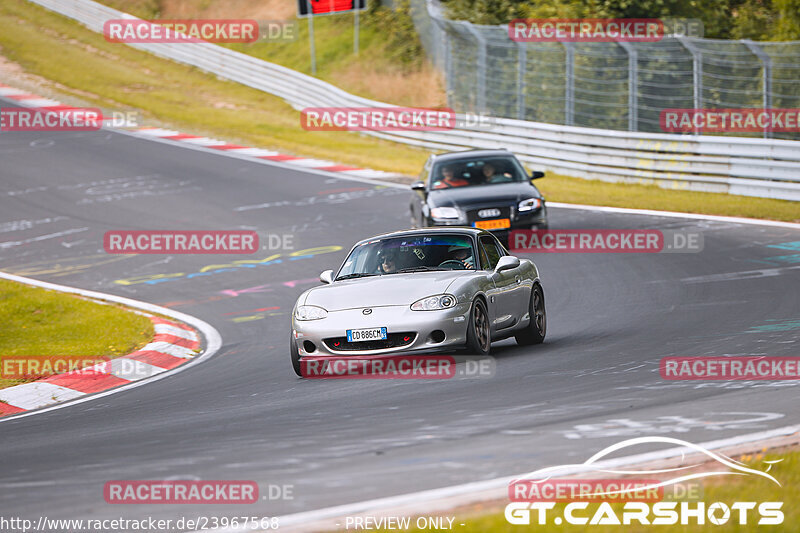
(617, 86)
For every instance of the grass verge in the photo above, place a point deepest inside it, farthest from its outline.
(114, 76)
(41, 322)
(729, 490)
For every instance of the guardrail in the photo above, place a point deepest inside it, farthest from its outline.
(734, 165)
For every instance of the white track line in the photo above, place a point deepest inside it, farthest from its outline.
(212, 336)
(467, 491)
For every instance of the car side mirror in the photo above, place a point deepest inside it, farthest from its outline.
(326, 277)
(507, 262)
(418, 186)
(536, 174)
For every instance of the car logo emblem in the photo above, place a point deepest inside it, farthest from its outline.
(486, 213)
(367, 311)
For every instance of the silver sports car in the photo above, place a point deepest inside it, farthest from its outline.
(424, 290)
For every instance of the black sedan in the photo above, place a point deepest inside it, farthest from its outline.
(486, 189)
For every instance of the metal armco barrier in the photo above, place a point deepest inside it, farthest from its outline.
(735, 165)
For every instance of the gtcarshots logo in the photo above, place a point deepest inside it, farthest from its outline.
(535, 496)
(181, 242)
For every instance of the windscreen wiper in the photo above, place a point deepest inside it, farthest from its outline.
(354, 276)
(419, 269)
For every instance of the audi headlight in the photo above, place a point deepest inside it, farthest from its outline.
(529, 205)
(310, 312)
(445, 213)
(433, 303)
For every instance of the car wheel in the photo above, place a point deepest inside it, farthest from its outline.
(295, 356)
(536, 330)
(478, 331)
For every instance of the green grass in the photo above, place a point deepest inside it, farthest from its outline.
(732, 489)
(572, 190)
(117, 77)
(40, 322)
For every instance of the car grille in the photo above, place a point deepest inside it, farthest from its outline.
(394, 340)
(472, 214)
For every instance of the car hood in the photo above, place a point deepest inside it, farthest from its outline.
(497, 194)
(390, 289)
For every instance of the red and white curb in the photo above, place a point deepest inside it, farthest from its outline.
(27, 99)
(175, 346)
(172, 345)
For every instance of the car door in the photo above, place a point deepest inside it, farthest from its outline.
(523, 284)
(502, 300)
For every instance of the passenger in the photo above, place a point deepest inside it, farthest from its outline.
(449, 179)
(490, 175)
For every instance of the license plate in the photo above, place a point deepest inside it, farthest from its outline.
(500, 223)
(368, 334)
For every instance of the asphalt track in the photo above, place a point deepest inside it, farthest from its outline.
(244, 415)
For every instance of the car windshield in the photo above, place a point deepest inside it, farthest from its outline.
(414, 253)
(476, 171)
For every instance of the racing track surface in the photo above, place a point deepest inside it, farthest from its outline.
(244, 415)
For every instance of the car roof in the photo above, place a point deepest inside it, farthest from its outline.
(463, 230)
(452, 156)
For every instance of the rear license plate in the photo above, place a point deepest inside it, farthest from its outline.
(500, 223)
(368, 334)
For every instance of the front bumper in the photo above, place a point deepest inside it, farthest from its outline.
(424, 325)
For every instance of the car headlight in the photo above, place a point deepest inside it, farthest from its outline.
(433, 303)
(529, 205)
(310, 312)
(445, 213)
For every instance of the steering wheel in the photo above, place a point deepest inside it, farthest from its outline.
(450, 263)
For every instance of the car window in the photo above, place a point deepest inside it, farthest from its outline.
(487, 242)
(417, 252)
(472, 171)
(484, 258)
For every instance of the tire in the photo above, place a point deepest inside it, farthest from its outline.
(295, 356)
(479, 340)
(536, 330)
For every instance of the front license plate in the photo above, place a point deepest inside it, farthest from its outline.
(500, 223)
(368, 334)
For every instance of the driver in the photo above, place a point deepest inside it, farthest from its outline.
(387, 262)
(449, 179)
(463, 254)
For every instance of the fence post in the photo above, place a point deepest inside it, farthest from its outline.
(766, 77)
(569, 84)
(481, 66)
(521, 67)
(633, 76)
(697, 72)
